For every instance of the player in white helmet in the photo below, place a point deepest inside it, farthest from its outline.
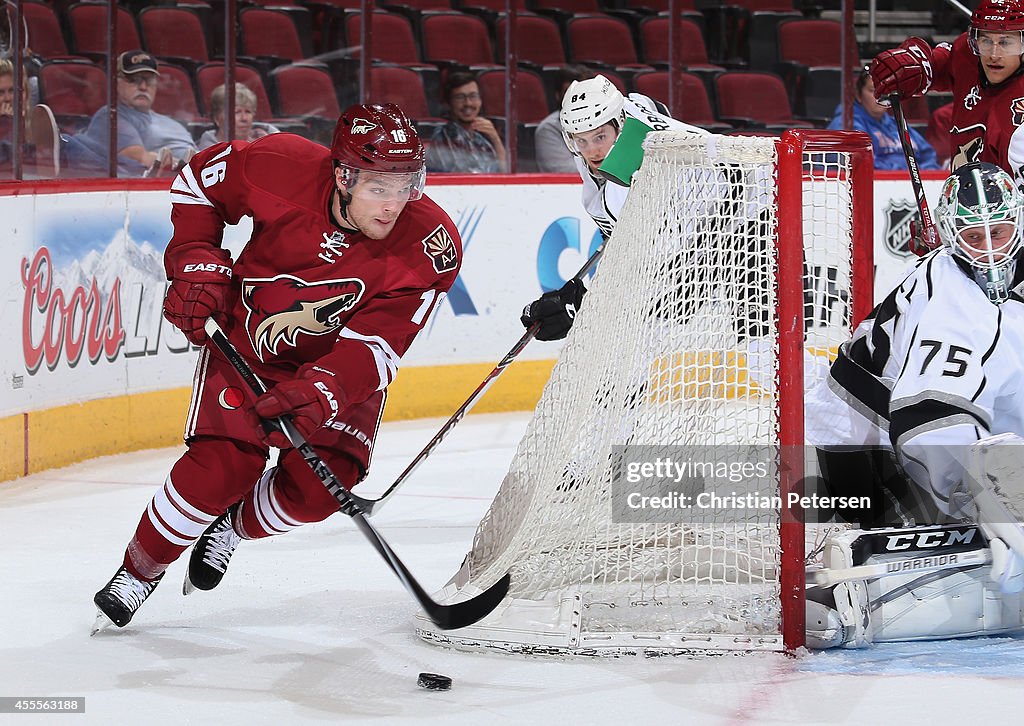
(593, 115)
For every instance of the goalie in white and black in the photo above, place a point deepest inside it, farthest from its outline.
(921, 388)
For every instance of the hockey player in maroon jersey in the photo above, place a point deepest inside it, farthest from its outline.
(982, 68)
(346, 261)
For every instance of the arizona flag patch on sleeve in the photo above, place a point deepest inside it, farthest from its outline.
(440, 248)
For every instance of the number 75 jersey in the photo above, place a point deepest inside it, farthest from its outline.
(935, 366)
(307, 290)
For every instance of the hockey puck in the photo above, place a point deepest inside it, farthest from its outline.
(434, 682)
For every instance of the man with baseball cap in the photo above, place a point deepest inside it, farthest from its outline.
(143, 136)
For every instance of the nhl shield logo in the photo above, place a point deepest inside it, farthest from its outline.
(440, 248)
(898, 216)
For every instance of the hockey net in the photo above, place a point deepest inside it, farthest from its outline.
(738, 266)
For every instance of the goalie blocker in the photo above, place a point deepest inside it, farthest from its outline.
(936, 582)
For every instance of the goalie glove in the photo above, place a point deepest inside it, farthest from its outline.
(906, 69)
(200, 288)
(313, 401)
(555, 311)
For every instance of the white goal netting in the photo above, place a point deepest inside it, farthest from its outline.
(672, 358)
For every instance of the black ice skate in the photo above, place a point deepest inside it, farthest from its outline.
(120, 598)
(212, 553)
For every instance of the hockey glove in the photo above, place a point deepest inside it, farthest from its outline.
(313, 400)
(907, 69)
(554, 311)
(200, 288)
(923, 239)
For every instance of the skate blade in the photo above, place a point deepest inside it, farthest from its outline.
(187, 588)
(102, 622)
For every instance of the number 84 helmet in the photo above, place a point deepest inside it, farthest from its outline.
(980, 214)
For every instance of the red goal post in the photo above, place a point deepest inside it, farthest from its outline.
(798, 150)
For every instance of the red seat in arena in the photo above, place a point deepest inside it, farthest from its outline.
(402, 86)
(176, 96)
(601, 40)
(456, 38)
(532, 105)
(693, 52)
(47, 40)
(306, 90)
(393, 37)
(811, 42)
(759, 97)
(88, 23)
(74, 90)
(172, 32)
(696, 106)
(270, 33)
(539, 40)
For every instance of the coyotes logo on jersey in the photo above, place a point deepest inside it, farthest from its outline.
(440, 248)
(282, 307)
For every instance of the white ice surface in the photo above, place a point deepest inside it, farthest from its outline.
(312, 627)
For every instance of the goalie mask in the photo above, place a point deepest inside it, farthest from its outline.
(980, 214)
(588, 105)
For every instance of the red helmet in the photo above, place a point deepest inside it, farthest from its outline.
(999, 15)
(378, 138)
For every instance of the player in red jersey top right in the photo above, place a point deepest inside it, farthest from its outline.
(346, 261)
(982, 68)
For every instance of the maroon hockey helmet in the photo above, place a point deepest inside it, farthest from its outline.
(377, 138)
(999, 15)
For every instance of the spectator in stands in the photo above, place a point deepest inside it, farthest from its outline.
(553, 156)
(40, 129)
(469, 142)
(246, 128)
(147, 142)
(875, 120)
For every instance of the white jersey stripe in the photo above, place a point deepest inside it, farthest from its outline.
(384, 356)
(186, 189)
(198, 383)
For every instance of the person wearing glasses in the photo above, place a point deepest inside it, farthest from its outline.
(982, 68)
(468, 143)
(147, 141)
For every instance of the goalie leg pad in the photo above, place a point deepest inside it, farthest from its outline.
(917, 606)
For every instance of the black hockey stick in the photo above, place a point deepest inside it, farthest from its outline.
(369, 506)
(446, 617)
(930, 237)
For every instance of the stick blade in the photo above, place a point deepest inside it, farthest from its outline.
(463, 614)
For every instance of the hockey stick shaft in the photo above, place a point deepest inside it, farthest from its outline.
(447, 617)
(931, 237)
(910, 566)
(370, 506)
